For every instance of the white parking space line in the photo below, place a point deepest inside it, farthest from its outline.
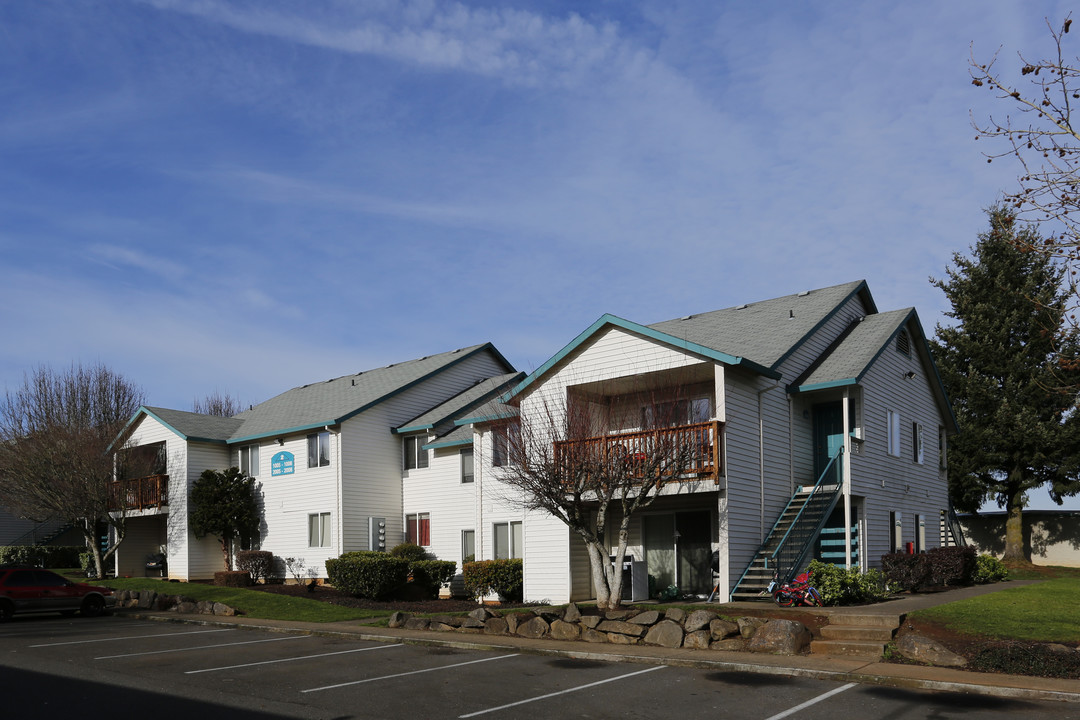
(561, 692)
(812, 701)
(130, 637)
(200, 647)
(413, 672)
(293, 659)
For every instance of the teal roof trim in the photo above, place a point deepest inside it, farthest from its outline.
(411, 429)
(827, 385)
(284, 431)
(485, 418)
(608, 319)
(862, 288)
(446, 444)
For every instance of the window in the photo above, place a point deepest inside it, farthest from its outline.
(503, 440)
(467, 475)
(894, 433)
(508, 540)
(468, 546)
(318, 449)
(676, 412)
(917, 453)
(418, 529)
(249, 460)
(319, 530)
(415, 456)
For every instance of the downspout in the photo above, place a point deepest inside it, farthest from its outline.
(340, 521)
(761, 457)
(846, 477)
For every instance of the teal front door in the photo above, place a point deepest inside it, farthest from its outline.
(828, 439)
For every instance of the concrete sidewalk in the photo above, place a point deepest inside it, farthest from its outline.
(840, 669)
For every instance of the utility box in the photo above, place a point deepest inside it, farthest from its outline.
(377, 534)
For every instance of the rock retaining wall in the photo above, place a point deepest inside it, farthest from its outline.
(673, 628)
(150, 600)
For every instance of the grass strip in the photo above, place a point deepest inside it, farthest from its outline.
(1044, 612)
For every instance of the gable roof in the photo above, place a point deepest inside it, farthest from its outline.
(315, 405)
(460, 404)
(757, 336)
(332, 402)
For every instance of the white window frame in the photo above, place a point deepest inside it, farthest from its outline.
(319, 530)
(413, 521)
(468, 542)
(500, 444)
(918, 451)
(248, 461)
(893, 431)
(468, 463)
(321, 442)
(413, 454)
(515, 539)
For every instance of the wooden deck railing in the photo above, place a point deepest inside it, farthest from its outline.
(139, 493)
(703, 440)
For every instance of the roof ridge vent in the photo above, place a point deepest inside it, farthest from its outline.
(686, 317)
(741, 307)
(804, 293)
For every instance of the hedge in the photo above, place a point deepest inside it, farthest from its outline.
(949, 566)
(431, 575)
(841, 586)
(47, 556)
(259, 563)
(502, 577)
(367, 574)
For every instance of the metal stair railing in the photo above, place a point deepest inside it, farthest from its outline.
(780, 556)
(956, 529)
(36, 536)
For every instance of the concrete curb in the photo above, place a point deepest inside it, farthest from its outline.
(839, 669)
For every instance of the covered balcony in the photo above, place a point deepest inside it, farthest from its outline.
(145, 493)
(686, 452)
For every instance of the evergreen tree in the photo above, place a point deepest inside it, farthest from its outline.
(223, 503)
(1003, 365)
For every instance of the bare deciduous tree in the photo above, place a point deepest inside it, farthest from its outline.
(1040, 136)
(56, 432)
(217, 403)
(573, 462)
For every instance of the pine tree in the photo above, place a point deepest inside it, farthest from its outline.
(1003, 365)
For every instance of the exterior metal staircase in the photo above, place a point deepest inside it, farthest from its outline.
(42, 533)
(790, 543)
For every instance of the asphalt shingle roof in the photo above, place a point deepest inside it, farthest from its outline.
(194, 426)
(764, 332)
(461, 403)
(851, 357)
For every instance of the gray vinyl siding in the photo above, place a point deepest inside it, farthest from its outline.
(889, 483)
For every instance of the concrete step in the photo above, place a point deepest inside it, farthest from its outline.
(859, 619)
(847, 648)
(857, 633)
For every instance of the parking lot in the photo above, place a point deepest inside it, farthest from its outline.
(196, 669)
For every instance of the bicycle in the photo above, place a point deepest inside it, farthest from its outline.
(797, 593)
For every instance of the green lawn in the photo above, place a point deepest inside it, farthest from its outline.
(1048, 611)
(253, 603)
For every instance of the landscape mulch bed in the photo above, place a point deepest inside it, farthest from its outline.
(324, 593)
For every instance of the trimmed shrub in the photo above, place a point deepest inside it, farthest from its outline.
(410, 552)
(841, 586)
(502, 577)
(367, 574)
(988, 569)
(431, 575)
(232, 578)
(937, 567)
(258, 563)
(46, 556)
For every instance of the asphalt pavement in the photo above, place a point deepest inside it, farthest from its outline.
(839, 668)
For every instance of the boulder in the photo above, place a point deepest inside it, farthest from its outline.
(590, 621)
(205, 607)
(675, 614)
(721, 629)
(561, 630)
(780, 637)
(571, 614)
(593, 636)
(697, 640)
(749, 625)
(666, 633)
(397, 620)
(698, 620)
(481, 614)
(622, 628)
(415, 623)
(451, 620)
(535, 628)
(620, 639)
(496, 626)
(924, 650)
(223, 609)
(146, 599)
(617, 614)
(187, 607)
(649, 617)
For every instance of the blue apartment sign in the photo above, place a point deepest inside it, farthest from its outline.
(283, 463)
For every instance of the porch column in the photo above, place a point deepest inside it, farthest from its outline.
(846, 475)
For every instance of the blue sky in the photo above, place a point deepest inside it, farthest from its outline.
(243, 197)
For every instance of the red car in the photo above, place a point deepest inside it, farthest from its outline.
(35, 590)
